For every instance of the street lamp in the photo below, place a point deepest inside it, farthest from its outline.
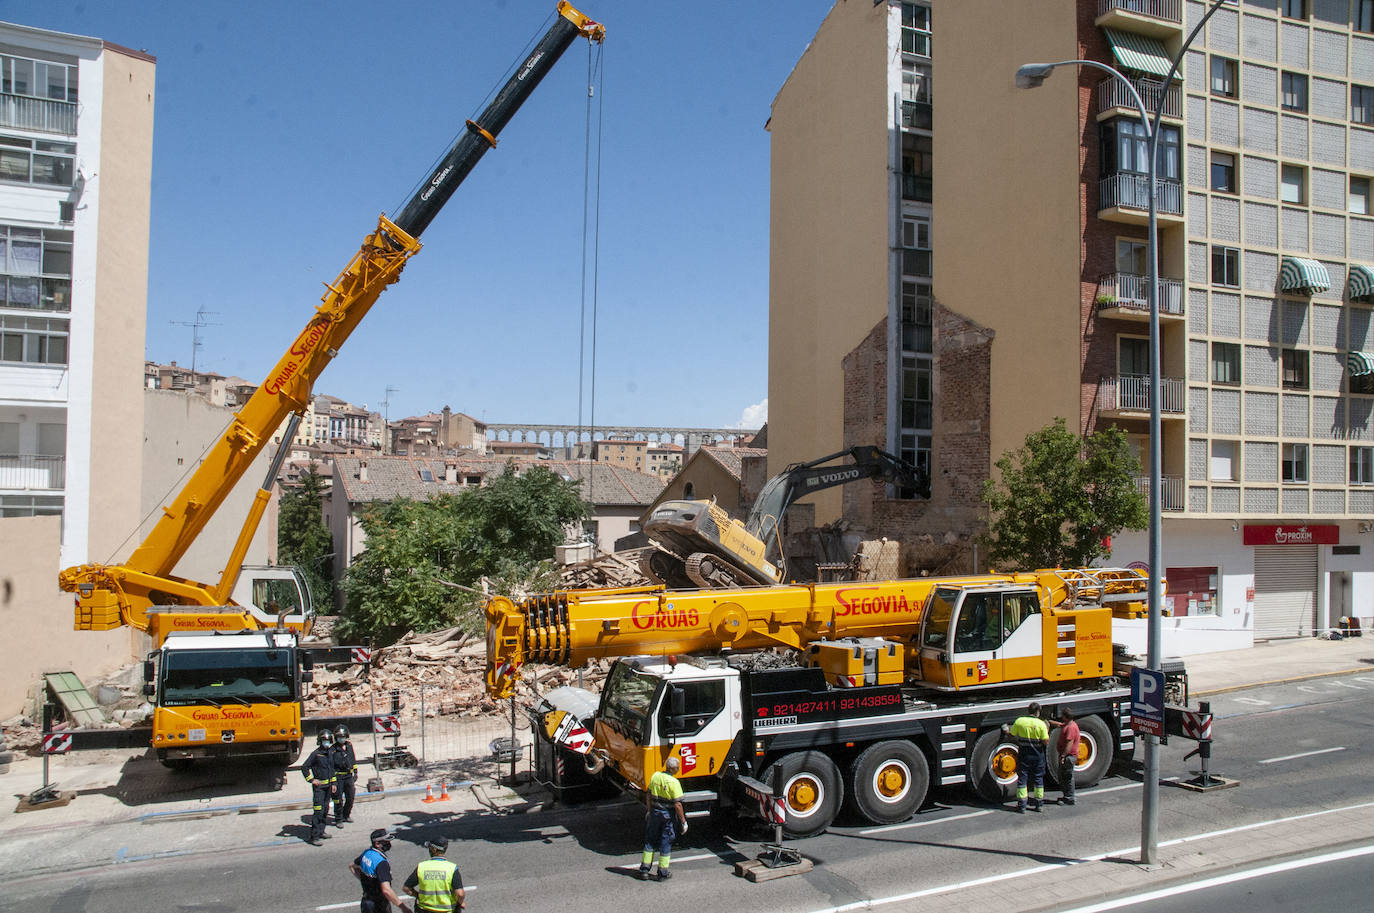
(1029, 76)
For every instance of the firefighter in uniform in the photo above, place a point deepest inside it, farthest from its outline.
(318, 770)
(1032, 739)
(662, 803)
(345, 775)
(435, 884)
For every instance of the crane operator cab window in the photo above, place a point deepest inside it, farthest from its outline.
(689, 706)
(988, 620)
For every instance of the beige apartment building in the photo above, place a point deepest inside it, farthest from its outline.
(947, 311)
(76, 136)
(628, 453)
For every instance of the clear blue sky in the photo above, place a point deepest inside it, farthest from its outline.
(283, 129)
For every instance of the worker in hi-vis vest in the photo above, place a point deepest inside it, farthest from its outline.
(1032, 738)
(435, 884)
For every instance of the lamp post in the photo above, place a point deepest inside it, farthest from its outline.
(1029, 76)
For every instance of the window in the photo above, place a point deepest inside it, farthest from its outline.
(1295, 462)
(1359, 195)
(1364, 16)
(916, 167)
(1223, 77)
(916, 259)
(31, 161)
(1224, 467)
(1295, 9)
(1295, 364)
(33, 340)
(37, 78)
(1133, 356)
(1362, 104)
(30, 506)
(701, 703)
(1362, 465)
(1294, 92)
(1192, 591)
(1225, 266)
(1131, 257)
(917, 317)
(35, 268)
(1125, 148)
(915, 29)
(916, 393)
(915, 450)
(1225, 363)
(1293, 183)
(1223, 172)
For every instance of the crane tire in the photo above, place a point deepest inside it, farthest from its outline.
(887, 782)
(1094, 752)
(812, 791)
(992, 766)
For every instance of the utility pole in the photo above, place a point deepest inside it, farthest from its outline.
(386, 417)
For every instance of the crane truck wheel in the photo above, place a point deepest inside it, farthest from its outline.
(992, 767)
(811, 789)
(1094, 753)
(887, 782)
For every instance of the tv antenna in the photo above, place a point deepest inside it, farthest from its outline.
(195, 326)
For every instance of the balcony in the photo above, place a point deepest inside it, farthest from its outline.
(1128, 396)
(42, 114)
(916, 187)
(916, 115)
(1125, 296)
(1157, 18)
(1125, 197)
(43, 293)
(30, 472)
(1171, 490)
(916, 261)
(1113, 100)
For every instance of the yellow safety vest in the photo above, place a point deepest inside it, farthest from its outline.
(433, 891)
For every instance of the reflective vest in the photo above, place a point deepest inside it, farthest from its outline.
(1030, 729)
(433, 890)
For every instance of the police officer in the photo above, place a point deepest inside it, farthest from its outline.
(1032, 738)
(345, 775)
(662, 803)
(435, 883)
(318, 770)
(373, 871)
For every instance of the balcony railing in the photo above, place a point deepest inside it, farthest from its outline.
(916, 187)
(1170, 491)
(1132, 191)
(1112, 94)
(26, 471)
(915, 261)
(916, 115)
(1130, 291)
(1131, 393)
(42, 114)
(1168, 10)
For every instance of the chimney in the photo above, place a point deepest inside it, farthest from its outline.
(451, 473)
(362, 470)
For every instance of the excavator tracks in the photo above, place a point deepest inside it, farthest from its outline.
(713, 572)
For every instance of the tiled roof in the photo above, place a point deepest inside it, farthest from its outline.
(731, 459)
(394, 477)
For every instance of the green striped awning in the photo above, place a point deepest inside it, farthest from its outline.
(1299, 274)
(1358, 363)
(1136, 52)
(1361, 281)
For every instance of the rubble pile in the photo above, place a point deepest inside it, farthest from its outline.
(616, 569)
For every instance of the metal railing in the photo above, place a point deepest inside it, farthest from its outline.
(1131, 291)
(917, 115)
(38, 114)
(916, 187)
(32, 472)
(1168, 10)
(1170, 491)
(1132, 191)
(1131, 393)
(1112, 94)
(916, 261)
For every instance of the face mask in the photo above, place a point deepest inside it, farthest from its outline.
(384, 845)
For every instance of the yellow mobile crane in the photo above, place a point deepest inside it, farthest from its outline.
(897, 686)
(229, 676)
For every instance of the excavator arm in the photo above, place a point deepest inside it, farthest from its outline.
(109, 596)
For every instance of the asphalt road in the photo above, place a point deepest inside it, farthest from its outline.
(1294, 748)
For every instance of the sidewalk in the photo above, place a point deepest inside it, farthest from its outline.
(1275, 661)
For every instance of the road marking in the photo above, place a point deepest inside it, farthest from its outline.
(1305, 754)
(909, 824)
(1252, 700)
(676, 860)
(1311, 690)
(1225, 879)
(1034, 870)
(1346, 685)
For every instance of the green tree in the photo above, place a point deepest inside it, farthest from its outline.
(505, 530)
(1060, 496)
(303, 539)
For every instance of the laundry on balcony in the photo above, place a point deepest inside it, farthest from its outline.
(1359, 363)
(1299, 274)
(1140, 54)
(1361, 283)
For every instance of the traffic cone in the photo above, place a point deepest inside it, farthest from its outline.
(443, 791)
(429, 793)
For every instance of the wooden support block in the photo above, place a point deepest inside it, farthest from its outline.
(62, 799)
(756, 871)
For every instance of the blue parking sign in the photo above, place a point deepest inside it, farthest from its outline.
(1147, 701)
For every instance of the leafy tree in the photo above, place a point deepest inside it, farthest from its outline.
(304, 540)
(1060, 496)
(505, 530)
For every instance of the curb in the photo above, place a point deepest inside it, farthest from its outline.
(1281, 681)
(252, 808)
